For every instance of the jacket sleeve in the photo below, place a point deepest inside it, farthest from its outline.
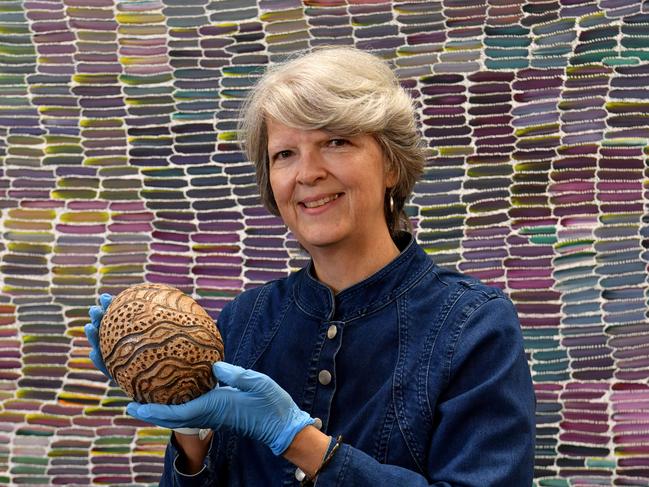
(484, 420)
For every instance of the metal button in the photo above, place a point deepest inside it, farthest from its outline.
(324, 377)
(318, 423)
(332, 331)
(299, 475)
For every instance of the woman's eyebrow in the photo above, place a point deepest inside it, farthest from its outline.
(278, 147)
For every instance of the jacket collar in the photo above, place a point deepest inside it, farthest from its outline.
(382, 287)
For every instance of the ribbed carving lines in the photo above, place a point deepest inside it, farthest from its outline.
(159, 344)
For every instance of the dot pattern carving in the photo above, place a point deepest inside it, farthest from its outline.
(159, 344)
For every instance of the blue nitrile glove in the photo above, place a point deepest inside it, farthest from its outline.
(92, 331)
(252, 404)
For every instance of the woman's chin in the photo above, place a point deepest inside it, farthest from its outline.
(319, 242)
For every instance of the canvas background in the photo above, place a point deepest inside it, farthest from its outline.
(118, 165)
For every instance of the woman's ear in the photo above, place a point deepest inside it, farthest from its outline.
(391, 175)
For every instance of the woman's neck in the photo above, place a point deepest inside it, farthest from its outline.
(343, 266)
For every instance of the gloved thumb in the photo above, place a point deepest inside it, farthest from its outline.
(235, 376)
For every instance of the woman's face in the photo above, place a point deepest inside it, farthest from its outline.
(329, 189)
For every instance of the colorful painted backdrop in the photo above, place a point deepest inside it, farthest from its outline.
(118, 165)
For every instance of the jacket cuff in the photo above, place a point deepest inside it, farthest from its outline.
(334, 472)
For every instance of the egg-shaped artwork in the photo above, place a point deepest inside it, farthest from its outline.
(159, 344)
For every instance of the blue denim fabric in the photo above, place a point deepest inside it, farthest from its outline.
(429, 380)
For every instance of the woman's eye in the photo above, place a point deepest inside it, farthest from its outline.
(282, 154)
(337, 142)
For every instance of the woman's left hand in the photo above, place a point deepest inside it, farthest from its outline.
(252, 404)
(91, 329)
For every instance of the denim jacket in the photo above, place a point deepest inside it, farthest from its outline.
(421, 369)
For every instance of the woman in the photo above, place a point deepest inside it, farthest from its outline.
(420, 369)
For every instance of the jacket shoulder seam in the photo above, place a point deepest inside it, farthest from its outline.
(468, 311)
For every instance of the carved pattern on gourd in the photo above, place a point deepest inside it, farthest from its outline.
(159, 344)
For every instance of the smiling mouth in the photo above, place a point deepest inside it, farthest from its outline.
(322, 201)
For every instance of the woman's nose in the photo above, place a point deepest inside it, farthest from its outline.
(311, 168)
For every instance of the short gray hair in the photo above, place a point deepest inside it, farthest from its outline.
(345, 91)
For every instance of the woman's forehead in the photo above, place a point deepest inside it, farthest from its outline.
(277, 131)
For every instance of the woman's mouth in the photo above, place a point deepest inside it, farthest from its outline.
(321, 201)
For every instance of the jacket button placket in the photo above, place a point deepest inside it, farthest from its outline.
(326, 379)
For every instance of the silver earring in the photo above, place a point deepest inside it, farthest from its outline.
(391, 203)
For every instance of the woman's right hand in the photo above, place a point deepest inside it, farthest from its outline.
(250, 403)
(92, 331)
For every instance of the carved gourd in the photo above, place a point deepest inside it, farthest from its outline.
(159, 344)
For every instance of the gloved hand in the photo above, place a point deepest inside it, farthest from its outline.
(252, 404)
(92, 331)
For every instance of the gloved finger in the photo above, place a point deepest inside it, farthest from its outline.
(192, 414)
(132, 409)
(98, 361)
(235, 376)
(96, 314)
(92, 334)
(105, 299)
(167, 416)
(139, 411)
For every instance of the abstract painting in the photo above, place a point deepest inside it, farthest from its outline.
(119, 164)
